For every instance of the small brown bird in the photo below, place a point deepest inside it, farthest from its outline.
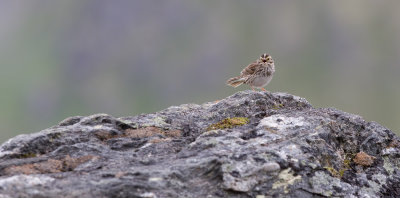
(257, 74)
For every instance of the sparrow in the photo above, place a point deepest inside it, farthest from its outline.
(257, 74)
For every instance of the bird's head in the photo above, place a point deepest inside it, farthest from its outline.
(265, 58)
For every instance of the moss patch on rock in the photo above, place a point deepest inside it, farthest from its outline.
(228, 123)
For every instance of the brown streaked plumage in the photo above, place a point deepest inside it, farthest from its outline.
(257, 74)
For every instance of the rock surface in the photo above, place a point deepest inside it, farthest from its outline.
(251, 144)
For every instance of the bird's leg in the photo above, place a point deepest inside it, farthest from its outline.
(262, 88)
(252, 88)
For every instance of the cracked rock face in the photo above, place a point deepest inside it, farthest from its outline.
(278, 146)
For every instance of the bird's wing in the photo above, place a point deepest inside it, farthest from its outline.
(250, 69)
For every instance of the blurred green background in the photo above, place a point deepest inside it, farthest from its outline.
(125, 57)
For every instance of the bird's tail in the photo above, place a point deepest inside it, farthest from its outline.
(235, 81)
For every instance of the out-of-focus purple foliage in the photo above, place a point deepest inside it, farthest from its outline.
(65, 58)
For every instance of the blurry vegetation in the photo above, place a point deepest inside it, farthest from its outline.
(66, 58)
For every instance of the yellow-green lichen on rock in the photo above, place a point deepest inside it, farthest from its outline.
(276, 107)
(336, 173)
(27, 155)
(344, 166)
(228, 123)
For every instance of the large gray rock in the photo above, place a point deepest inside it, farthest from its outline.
(278, 146)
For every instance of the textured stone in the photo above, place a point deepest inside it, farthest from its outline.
(285, 148)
